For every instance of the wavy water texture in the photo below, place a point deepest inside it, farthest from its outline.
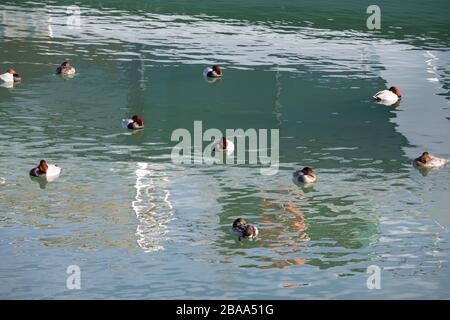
(141, 227)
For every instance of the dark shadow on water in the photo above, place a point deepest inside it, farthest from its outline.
(41, 181)
(214, 81)
(305, 187)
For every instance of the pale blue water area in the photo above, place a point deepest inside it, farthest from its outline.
(141, 227)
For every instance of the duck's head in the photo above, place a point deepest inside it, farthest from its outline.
(307, 171)
(216, 68)
(16, 76)
(137, 119)
(65, 64)
(425, 157)
(43, 166)
(396, 91)
(239, 222)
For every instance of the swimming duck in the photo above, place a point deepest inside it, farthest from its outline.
(10, 76)
(134, 123)
(223, 145)
(65, 69)
(306, 175)
(48, 171)
(2, 180)
(213, 72)
(426, 160)
(388, 97)
(244, 230)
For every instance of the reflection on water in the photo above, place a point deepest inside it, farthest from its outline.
(39, 180)
(152, 206)
(369, 206)
(288, 232)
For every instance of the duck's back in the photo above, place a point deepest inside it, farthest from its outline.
(437, 162)
(70, 71)
(386, 95)
(206, 71)
(53, 171)
(7, 77)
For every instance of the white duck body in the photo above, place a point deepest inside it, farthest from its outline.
(7, 77)
(386, 97)
(301, 177)
(218, 147)
(69, 72)
(53, 172)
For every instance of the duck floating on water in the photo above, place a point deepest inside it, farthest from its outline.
(426, 160)
(65, 69)
(388, 97)
(134, 123)
(306, 175)
(10, 76)
(244, 230)
(223, 145)
(44, 170)
(213, 72)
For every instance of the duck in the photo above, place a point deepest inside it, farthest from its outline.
(426, 160)
(306, 175)
(242, 229)
(2, 180)
(134, 123)
(65, 69)
(223, 145)
(388, 97)
(213, 71)
(10, 76)
(44, 170)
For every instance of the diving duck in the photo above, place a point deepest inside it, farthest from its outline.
(244, 230)
(223, 145)
(65, 69)
(10, 76)
(134, 123)
(213, 72)
(48, 171)
(388, 97)
(426, 160)
(306, 175)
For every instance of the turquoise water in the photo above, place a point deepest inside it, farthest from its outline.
(140, 226)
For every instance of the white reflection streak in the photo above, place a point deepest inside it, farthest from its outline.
(431, 67)
(152, 206)
(50, 21)
(175, 38)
